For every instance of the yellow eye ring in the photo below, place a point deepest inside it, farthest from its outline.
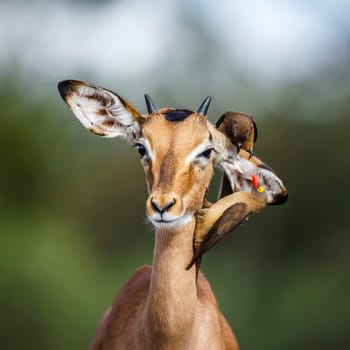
(260, 189)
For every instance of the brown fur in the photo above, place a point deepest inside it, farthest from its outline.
(165, 306)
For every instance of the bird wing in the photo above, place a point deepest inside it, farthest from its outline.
(220, 219)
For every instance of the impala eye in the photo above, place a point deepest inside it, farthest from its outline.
(141, 149)
(206, 153)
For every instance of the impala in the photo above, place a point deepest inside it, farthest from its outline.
(166, 305)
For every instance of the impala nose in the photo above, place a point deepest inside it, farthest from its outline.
(161, 208)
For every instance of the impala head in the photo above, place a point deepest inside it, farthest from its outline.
(175, 146)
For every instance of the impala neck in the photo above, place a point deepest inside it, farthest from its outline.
(171, 304)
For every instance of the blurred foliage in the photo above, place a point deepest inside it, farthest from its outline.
(73, 230)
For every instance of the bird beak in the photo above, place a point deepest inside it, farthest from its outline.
(239, 145)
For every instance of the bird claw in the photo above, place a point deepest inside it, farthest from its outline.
(251, 153)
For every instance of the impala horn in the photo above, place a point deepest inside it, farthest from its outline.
(203, 108)
(151, 107)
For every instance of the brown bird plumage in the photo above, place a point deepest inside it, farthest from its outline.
(240, 128)
(222, 217)
(215, 221)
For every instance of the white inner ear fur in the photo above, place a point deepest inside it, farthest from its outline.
(102, 112)
(240, 173)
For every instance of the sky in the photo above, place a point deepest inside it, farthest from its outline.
(280, 38)
(266, 42)
(269, 37)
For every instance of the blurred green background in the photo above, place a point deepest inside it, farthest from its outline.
(72, 223)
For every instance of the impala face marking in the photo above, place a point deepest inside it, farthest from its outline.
(180, 169)
(144, 149)
(159, 306)
(175, 147)
(201, 153)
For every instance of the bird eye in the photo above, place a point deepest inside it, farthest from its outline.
(206, 153)
(141, 149)
(260, 189)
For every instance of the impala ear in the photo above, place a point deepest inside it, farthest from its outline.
(101, 111)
